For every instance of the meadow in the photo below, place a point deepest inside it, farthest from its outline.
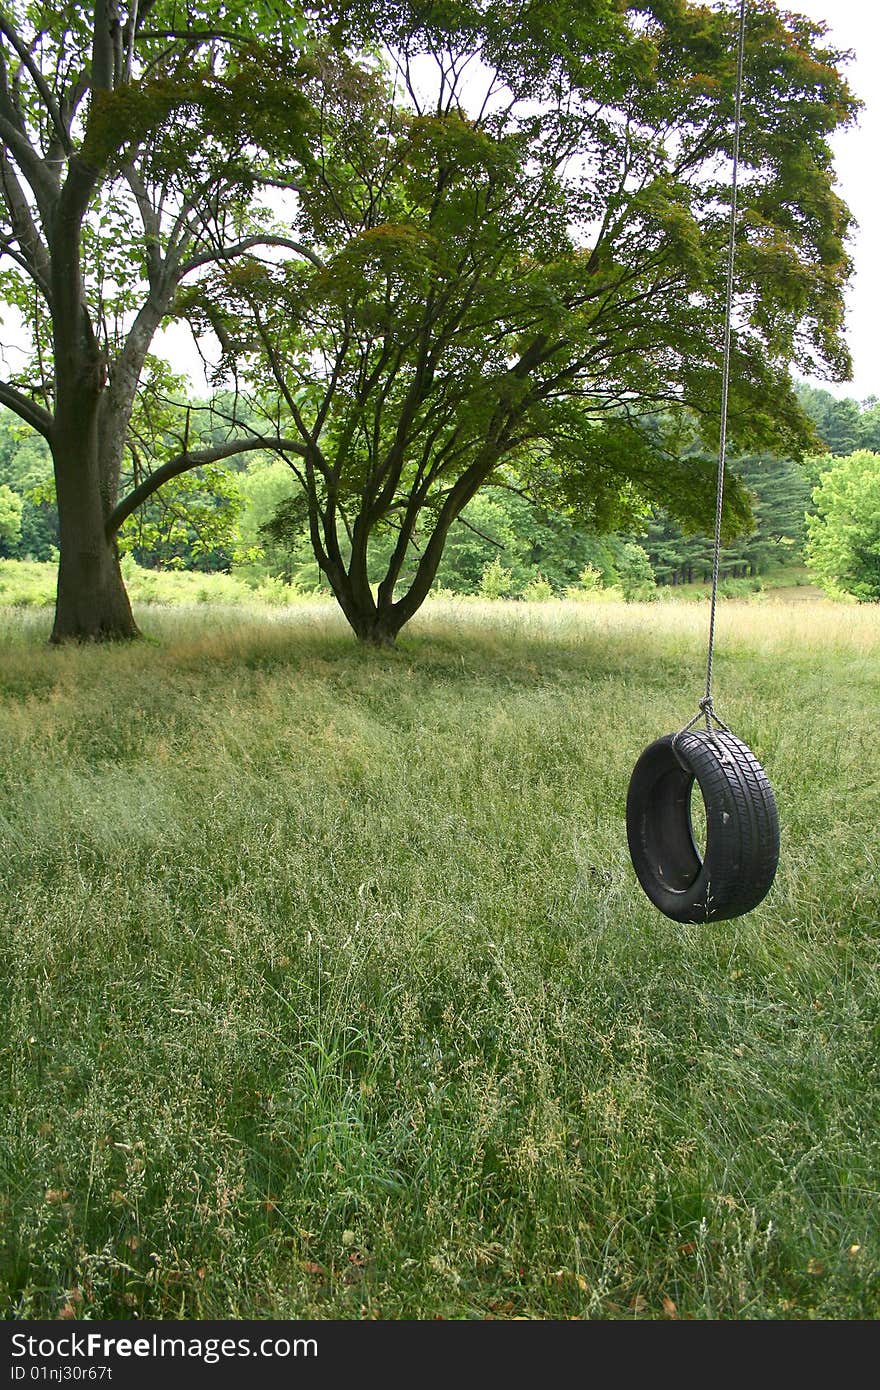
(330, 991)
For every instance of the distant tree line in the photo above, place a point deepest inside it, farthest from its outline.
(249, 515)
(782, 499)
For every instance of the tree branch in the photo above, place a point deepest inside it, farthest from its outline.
(196, 35)
(183, 463)
(34, 415)
(39, 175)
(105, 38)
(33, 252)
(39, 81)
(149, 221)
(223, 253)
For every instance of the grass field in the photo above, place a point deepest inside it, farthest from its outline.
(330, 991)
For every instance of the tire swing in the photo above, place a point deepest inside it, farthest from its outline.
(738, 863)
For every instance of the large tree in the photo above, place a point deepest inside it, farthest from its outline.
(517, 220)
(132, 139)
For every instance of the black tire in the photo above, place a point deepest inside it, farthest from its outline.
(742, 827)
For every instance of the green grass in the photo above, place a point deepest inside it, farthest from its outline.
(331, 992)
(32, 584)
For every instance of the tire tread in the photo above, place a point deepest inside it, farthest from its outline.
(740, 862)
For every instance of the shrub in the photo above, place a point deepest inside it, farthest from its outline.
(636, 574)
(538, 590)
(496, 581)
(27, 583)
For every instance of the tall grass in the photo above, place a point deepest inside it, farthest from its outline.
(33, 583)
(330, 991)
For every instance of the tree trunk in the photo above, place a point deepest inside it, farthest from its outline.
(376, 629)
(374, 624)
(92, 604)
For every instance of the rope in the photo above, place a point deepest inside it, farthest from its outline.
(707, 709)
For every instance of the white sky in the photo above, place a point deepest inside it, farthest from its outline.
(855, 24)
